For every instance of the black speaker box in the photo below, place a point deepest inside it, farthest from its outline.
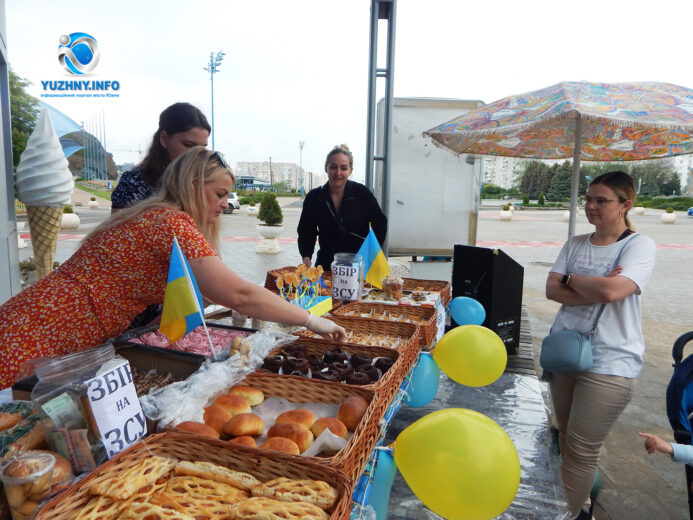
(495, 280)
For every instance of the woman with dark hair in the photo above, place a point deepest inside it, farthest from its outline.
(584, 276)
(122, 266)
(338, 213)
(181, 126)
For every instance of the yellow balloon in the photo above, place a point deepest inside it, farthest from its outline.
(471, 355)
(459, 463)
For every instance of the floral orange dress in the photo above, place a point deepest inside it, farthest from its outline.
(95, 294)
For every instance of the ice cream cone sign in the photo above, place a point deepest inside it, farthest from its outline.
(44, 184)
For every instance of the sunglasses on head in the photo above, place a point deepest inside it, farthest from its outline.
(221, 159)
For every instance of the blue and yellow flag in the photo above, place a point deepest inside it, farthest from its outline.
(183, 301)
(375, 264)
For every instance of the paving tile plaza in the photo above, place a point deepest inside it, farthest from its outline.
(634, 485)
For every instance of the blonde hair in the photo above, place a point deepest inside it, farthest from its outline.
(181, 188)
(340, 148)
(623, 186)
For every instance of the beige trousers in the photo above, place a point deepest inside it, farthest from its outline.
(587, 406)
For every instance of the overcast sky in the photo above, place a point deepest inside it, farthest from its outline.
(298, 70)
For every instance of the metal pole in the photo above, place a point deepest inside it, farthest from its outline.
(389, 101)
(300, 166)
(211, 80)
(577, 151)
(372, 65)
(104, 141)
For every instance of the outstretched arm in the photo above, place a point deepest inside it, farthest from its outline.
(221, 285)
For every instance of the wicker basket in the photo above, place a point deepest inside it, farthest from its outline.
(426, 315)
(318, 347)
(441, 286)
(409, 331)
(353, 457)
(264, 465)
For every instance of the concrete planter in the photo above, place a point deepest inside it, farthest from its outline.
(668, 218)
(638, 210)
(269, 244)
(69, 222)
(505, 216)
(93, 204)
(252, 211)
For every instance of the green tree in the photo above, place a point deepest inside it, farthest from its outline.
(270, 212)
(535, 179)
(24, 110)
(525, 199)
(281, 186)
(490, 191)
(540, 201)
(561, 183)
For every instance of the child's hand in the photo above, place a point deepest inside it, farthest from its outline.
(654, 443)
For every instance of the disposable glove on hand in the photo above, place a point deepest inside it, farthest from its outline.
(326, 328)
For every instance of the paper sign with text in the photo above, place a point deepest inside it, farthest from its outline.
(345, 282)
(116, 408)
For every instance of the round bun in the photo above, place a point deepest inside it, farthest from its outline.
(301, 435)
(198, 428)
(62, 471)
(253, 396)
(243, 424)
(281, 444)
(351, 411)
(298, 416)
(233, 404)
(246, 440)
(216, 417)
(332, 423)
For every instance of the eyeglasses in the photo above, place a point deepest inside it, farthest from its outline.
(220, 158)
(600, 202)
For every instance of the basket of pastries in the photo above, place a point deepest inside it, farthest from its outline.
(179, 476)
(246, 416)
(376, 368)
(425, 317)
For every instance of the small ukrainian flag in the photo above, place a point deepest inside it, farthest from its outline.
(374, 261)
(183, 305)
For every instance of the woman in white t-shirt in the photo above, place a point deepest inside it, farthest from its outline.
(587, 404)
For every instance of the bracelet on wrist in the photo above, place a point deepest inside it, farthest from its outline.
(566, 279)
(310, 316)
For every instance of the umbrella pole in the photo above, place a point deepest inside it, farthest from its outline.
(577, 151)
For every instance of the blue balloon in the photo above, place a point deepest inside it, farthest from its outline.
(423, 386)
(379, 496)
(466, 311)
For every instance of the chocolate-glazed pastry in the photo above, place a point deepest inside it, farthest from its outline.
(342, 368)
(360, 359)
(314, 361)
(372, 372)
(292, 364)
(298, 373)
(384, 363)
(295, 351)
(327, 375)
(358, 378)
(273, 363)
(335, 354)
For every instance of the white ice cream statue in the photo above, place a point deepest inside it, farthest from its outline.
(44, 184)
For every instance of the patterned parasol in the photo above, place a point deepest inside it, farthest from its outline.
(585, 121)
(621, 122)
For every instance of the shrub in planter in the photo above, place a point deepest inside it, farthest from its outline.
(506, 207)
(93, 199)
(270, 212)
(68, 209)
(669, 209)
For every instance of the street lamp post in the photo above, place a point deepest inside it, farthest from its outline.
(300, 167)
(214, 62)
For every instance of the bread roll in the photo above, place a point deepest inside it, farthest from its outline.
(247, 440)
(198, 428)
(62, 470)
(234, 404)
(351, 411)
(301, 435)
(243, 424)
(299, 416)
(216, 417)
(281, 444)
(332, 423)
(252, 395)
